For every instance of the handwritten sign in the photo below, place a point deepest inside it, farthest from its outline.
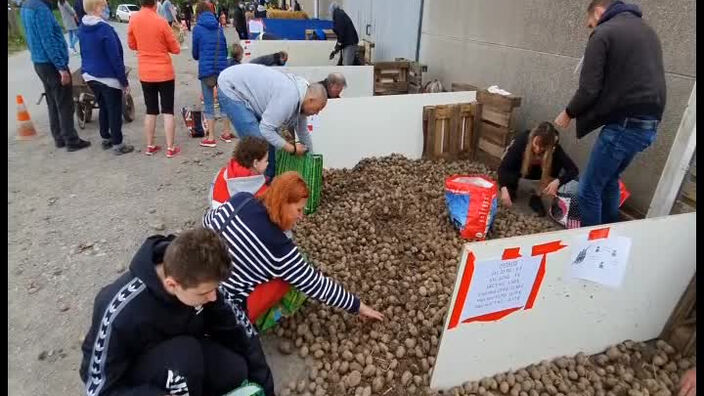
(602, 260)
(499, 285)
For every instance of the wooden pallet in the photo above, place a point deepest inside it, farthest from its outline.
(391, 78)
(681, 329)
(415, 71)
(449, 131)
(459, 87)
(496, 126)
(365, 50)
(329, 34)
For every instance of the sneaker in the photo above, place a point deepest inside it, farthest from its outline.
(227, 137)
(77, 146)
(60, 144)
(151, 150)
(208, 143)
(106, 144)
(123, 149)
(170, 153)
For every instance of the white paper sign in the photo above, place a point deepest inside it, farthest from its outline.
(601, 260)
(499, 285)
(313, 123)
(256, 26)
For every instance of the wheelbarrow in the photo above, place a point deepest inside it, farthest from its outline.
(84, 100)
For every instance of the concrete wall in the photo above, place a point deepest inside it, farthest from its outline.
(531, 48)
(350, 129)
(360, 79)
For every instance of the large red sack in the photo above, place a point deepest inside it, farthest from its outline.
(265, 296)
(472, 201)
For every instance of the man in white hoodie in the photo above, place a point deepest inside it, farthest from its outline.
(260, 101)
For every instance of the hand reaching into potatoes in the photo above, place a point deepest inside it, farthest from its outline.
(367, 312)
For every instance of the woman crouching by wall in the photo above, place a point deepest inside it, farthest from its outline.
(535, 155)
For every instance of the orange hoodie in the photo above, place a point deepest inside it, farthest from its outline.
(151, 36)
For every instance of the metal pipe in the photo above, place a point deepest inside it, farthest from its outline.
(316, 9)
(420, 29)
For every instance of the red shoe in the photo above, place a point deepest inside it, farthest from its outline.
(170, 153)
(227, 137)
(208, 143)
(151, 150)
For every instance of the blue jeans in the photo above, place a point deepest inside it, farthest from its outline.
(614, 150)
(72, 39)
(208, 101)
(246, 123)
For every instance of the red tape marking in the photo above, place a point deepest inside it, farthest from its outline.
(543, 249)
(601, 233)
(511, 253)
(463, 292)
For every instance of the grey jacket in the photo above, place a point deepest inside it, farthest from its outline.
(273, 96)
(67, 16)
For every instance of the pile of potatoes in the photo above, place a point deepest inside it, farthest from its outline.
(382, 231)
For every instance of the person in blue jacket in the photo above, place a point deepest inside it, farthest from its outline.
(210, 50)
(103, 68)
(49, 52)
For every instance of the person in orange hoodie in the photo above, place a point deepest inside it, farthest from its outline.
(244, 171)
(151, 36)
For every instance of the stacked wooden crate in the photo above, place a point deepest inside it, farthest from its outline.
(391, 78)
(364, 51)
(415, 75)
(496, 127)
(450, 131)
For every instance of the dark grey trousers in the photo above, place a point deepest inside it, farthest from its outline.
(59, 100)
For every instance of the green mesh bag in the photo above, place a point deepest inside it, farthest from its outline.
(310, 167)
(289, 304)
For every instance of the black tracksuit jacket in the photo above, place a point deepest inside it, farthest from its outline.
(135, 313)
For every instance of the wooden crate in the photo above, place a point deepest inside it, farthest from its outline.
(329, 34)
(449, 131)
(681, 329)
(459, 87)
(366, 52)
(391, 78)
(415, 71)
(495, 127)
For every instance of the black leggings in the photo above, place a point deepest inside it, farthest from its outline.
(153, 91)
(203, 366)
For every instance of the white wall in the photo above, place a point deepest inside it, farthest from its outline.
(350, 129)
(300, 52)
(571, 316)
(393, 26)
(360, 79)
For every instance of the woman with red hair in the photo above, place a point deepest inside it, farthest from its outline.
(257, 234)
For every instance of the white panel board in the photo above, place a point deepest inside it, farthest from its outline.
(570, 315)
(300, 52)
(350, 129)
(360, 79)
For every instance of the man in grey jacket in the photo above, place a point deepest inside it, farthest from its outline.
(622, 88)
(260, 101)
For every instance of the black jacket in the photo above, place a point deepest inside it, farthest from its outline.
(135, 313)
(344, 28)
(269, 60)
(623, 73)
(563, 167)
(240, 22)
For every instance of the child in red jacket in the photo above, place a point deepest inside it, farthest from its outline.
(244, 172)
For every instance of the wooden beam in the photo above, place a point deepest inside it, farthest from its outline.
(678, 161)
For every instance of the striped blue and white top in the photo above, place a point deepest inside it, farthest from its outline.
(260, 251)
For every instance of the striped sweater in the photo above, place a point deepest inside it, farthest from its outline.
(260, 252)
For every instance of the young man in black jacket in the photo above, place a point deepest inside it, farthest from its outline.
(622, 87)
(165, 328)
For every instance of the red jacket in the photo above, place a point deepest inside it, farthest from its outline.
(234, 178)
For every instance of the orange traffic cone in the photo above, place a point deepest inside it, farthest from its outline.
(25, 127)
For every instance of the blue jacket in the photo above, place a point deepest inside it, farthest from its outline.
(101, 52)
(78, 7)
(204, 46)
(45, 38)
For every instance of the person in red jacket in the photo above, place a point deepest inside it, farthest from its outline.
(244, 171)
